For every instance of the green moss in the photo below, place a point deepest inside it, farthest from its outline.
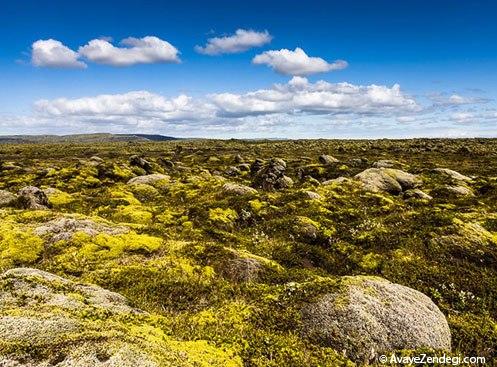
(132, 214)
(59, 198)
(18, 245)
(222, 216)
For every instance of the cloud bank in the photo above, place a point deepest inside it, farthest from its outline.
(241, 41)
(280, 105)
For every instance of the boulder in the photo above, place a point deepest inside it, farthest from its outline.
(244, 167)
(312, 195)
(337, 180)
(138, 161)
(7, 198)
(148, 179)
(406, 180)
(387, 180)
(327, 159)
(256, 165)
(31, 197)
(242, 269)
(39, 288)
(385, 163)
(416, 194)
(454, 191)
(368, 316)
(237, 189)
(272, 177)
(454, 175)
(233, 171)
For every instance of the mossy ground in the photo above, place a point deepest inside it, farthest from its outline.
(183, 231)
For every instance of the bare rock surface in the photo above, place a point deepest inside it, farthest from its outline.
(368, 316)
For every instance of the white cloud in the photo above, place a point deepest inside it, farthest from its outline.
(241, 41)
(296, 62)
(53, 53)
(301, 96)
(146, 50)
(125, 108)
(298, 97)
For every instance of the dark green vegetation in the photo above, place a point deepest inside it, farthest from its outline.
(234, 269)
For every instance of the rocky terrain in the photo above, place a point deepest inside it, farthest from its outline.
(246, 253)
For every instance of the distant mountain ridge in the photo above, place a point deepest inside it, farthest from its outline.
(83, 138)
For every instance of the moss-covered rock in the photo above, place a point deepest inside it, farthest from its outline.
(47, 320)
(371, 316)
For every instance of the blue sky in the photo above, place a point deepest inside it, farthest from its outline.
(441, 54)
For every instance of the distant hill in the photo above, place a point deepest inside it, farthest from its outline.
(82, 138)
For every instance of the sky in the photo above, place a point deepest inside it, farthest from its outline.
(258, 69)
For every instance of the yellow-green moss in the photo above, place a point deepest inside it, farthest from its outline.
(18, 245)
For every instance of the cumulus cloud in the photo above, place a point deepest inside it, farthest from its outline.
(241, 41)
(53, 53)
(146, 50)
(296, 62)
(125, 108)
(301, 96)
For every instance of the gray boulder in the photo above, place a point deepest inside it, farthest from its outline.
(368, 316)
(148, 179)
(385, 163)
(239, 190)
(454, 191)
(327, 159)
(389, 180)
(31, 197)
(417, 194)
